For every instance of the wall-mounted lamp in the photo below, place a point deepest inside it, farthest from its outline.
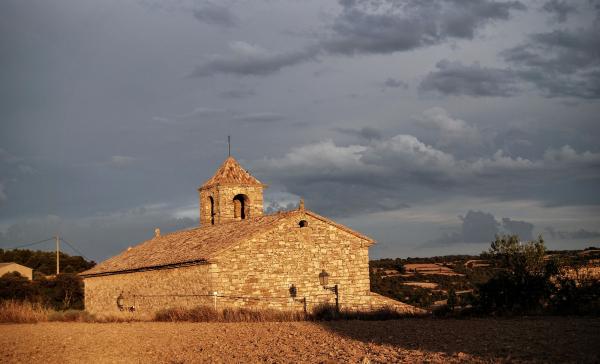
(120, 300)
(324, 280)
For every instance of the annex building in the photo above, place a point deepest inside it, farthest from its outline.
(239, 257)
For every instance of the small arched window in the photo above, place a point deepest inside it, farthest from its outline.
(303, 223)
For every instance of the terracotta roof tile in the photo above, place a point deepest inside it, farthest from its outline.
(231, 172)
(197, 244)
(192, 245)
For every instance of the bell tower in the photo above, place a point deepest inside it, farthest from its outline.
(231, 194)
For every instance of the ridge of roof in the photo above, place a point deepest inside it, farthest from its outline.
(231, 172)
(198, 245)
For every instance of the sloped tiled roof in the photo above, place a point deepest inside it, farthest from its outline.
(196, 245)
(231, 172)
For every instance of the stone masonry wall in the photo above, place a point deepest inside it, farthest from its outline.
(260, 272)
(255, 273)
(149, 291)
(223, 202)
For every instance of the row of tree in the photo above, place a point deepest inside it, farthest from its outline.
(61, 292)
(45, 262)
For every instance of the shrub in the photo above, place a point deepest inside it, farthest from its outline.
(324, 312)
(530, 284)
(576, 298)
(327, 312)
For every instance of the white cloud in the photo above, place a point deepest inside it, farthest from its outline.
(501, 163)
(392, 173)
(322, 158)
(567, 154)
(451, 131)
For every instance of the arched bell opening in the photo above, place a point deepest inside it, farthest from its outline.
(212, 210)
(241, 207)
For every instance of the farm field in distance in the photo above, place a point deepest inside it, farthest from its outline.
(530, 339)
(426, 282)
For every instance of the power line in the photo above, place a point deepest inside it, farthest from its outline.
(75, 249)
(30, 244)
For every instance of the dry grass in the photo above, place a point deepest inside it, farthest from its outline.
(19, 312)
(209, 314)
(71, 316)
(320, 313)
(25, 312)
(22, 312)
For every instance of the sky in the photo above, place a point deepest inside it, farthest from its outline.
(429, 125)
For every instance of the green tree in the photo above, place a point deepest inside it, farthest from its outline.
(519, 257)
(524, 282)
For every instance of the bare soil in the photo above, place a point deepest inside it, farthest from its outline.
(537, 339)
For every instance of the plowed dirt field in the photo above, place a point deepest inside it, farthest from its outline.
(539, 339)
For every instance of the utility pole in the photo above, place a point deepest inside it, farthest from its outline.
(57, 255)
(229, 145)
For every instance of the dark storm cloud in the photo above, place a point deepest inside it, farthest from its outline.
(87, 135)
(215, 14)
(574, 234)
(369, 27)
(386, 27)
(454, 78)
(476, 227)
(523, 229)
(560, 9)
(480, 227)
(560, 63)
(394, 83)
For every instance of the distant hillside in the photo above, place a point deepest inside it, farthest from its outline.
(45, 262)
(426, 282)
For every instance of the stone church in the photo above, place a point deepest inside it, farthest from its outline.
(239, 257)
